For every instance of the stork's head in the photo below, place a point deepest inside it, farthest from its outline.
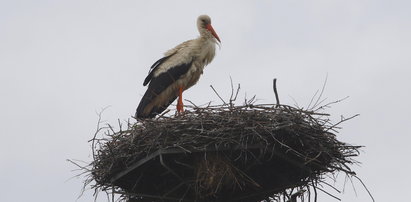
(205, 28)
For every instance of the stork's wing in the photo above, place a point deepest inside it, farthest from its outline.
(157, 86)
(153, 68)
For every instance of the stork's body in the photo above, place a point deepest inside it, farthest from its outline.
(178, 70)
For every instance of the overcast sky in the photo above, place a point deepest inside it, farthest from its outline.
(63, 61)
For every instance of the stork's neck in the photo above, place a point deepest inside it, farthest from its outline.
(206, 48)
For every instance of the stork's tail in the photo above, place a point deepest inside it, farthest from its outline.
(142, 112)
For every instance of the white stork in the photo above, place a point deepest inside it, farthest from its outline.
(178, 70)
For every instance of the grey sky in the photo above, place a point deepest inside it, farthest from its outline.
(61, 61)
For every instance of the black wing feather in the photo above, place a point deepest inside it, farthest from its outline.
(153, 68)
(158, 85)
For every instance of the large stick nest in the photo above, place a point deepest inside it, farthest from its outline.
(221, 153)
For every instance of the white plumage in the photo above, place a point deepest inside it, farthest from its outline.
(178, 70)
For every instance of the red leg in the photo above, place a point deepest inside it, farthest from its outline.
(180, 106)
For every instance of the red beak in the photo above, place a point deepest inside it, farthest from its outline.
(211, 29)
